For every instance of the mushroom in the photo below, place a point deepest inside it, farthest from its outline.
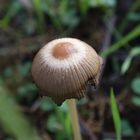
(63, 69)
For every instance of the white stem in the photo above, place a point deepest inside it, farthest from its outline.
(74, 119)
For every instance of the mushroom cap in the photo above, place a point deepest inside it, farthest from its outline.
(63, 67)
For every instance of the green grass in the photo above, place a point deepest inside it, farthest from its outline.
(115, 114)
(12, 120)
(59, 120)
(122, 42)
(40, 15)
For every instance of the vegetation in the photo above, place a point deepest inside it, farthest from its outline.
(111, 27)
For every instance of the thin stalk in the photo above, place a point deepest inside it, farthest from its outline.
(121, 43)
(74, 119)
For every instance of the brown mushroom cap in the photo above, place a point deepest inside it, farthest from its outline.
(63, 67)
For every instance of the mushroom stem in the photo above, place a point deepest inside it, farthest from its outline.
(74, 119)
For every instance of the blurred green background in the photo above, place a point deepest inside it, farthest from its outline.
(112, 27)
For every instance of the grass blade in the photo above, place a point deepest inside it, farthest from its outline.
(130, 36)
(115, 114)
(12, 120)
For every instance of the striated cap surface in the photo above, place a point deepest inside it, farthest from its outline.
(63, 67)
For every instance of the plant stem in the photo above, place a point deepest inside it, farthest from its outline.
(74, 119)
(121, 43)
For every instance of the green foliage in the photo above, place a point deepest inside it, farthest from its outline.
(64, 14)
(82, 102)
(115, 114)
(122, 42)
(129, 16)
(37, 4)
(59, 122)
(53, 124)
(135, 17)
(64, 118)
(127, 129)
(84, 5)
(103, 3)
(136, 100)
(8, 72)
(135, 85)
(12, 120)
(61, 12)
(26, 91)
(47, 104)
(126, 64)
(12, 10)
(24, 69)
